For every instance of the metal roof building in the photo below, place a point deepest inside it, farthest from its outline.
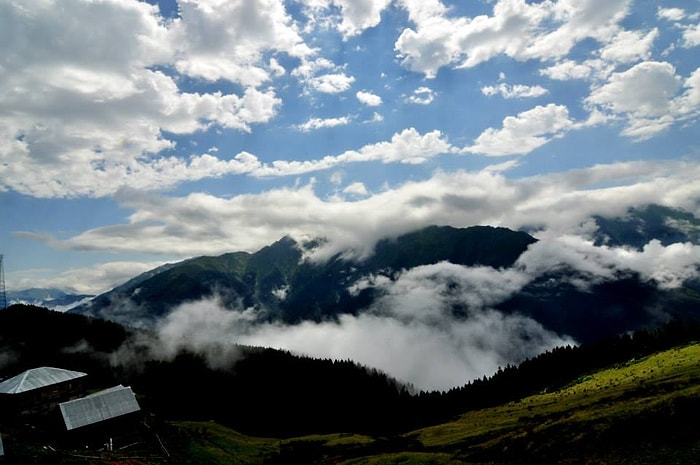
(98, 407)
(38, 378)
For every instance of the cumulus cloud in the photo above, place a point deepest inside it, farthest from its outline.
(87, 117)
(514, 91)
(203, 224)
(322, 75)
(523, 133)
(645, 90)
(630, 46)
(355, 15)
(408, 146)
(646, 95)
(368, 98)
(357, 189)
(332, 83)
(566, 70)
(671, 14)
(227, 40)
(421, 96)
(514, 29)
(691, 36)
(318, 123)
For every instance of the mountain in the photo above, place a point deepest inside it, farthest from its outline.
(641, 225)
(284, 287)
(54, 299)
(292, 289)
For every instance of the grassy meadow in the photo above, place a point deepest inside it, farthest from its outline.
(638, 412)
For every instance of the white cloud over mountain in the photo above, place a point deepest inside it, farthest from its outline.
(118, 102)
(557, 204)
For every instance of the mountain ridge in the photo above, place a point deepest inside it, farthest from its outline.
(284, 286)
(291, 287)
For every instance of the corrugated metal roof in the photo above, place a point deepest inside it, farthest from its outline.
(97, 407)
(37, 378)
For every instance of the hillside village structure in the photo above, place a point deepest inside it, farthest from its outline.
(98, 407)
(40, 390)
(48, 394)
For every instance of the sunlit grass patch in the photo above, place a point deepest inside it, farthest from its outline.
(622, 391)
(214, 444)
(405, 458)
(331, 440)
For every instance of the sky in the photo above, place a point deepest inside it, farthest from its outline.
(138, 133)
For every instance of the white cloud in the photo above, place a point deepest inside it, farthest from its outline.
(89, 280)
(227, 40)
(687, 105)
(200, 224)
(308, 68)
(276, 69)
(667, 266)
(318, 123)
(671, 14)
(517, 29)
(87, 117)
(376, 118)
(412, 323)
(422, 96)
(368, 98)
(322, 75)
(646, 95)
(359, 15)
(523, 133)
(353, 18)
(691, 36)
(357, 189)
(332, 83)
(630, 46)
(404, 341)
(645, 89)
(514, 91)
(567, 70)
(408, 146)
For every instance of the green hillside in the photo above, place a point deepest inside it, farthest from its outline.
(644, 411)
(631, 399)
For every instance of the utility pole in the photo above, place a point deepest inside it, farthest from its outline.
(3, 294)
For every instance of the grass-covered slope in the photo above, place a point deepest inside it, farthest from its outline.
(633, 400)
(602, 414)
(642, 412)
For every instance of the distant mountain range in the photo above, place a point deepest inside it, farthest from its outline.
(292, 289)
(641, 225)
(54, 299)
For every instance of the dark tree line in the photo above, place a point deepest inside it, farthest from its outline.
(274, 393)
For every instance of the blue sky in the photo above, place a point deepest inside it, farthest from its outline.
(136, 133)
